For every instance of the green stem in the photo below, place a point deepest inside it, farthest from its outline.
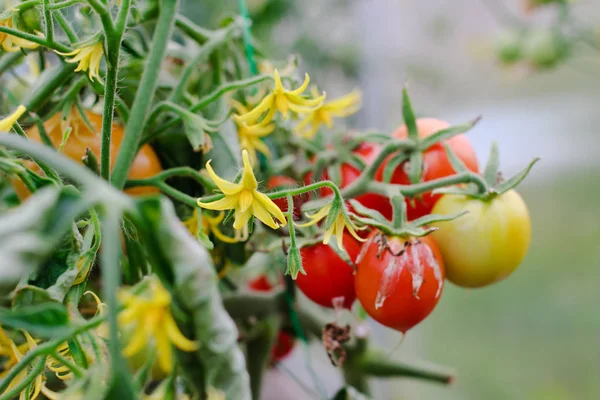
(54, 80)
(26, 5)
(177, 171)
(197, 33)
(48, 22)
(63, 4)
(208, 99)
(145, 93)
(21, 386)
(380, 365)
(74, 368)
(113, 46)
(66, 27)
(111, 279)
(47, 348)
(35, 39)
(104, 14)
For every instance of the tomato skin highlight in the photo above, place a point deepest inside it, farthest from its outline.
(327, 275)
(385, 279)
(145, 164)
(488, 243)
(435, 165)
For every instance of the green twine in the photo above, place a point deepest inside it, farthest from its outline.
(248, 38)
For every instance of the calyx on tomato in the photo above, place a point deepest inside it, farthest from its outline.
(492, 184)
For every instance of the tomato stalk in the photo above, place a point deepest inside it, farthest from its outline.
(145, 93)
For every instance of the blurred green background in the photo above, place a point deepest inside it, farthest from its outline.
(536, 335)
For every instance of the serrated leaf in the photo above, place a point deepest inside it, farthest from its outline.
(515, 180)
(446, 134)
(184, 265)
(409, 116)
(415, 167)
(40, 320)
(194, 127)
(456, 162)
(491, 168)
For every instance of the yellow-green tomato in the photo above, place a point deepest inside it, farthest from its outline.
(488, 243)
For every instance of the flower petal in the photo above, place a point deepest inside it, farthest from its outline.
(164, 351)
(263, 215)
(302, 87)
(137, 342)
(248, 180)
(226, 203)
(270, 207)
(226, 187)
(176, 337)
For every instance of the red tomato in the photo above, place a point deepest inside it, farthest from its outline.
(283, 346)
(435, 165)
(327, 275)
(261, 284)
(399, 280)
(280, 182)
(367, 152)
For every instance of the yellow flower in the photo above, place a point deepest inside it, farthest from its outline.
(209, 224)
(7, 123)
(323, 115)
(282, 100)
(250, 135)
(61, 371)
(244, 198)
(88, 57)
(337, 228)
(148, 317)
(12, 354)
(12, 43)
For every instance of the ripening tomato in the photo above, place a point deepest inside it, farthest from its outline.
(488, 243)
(145, 165)
(435, 165)
(367, 152)
(281, 182)
(327, 275)
(399, 280)
(283, 346)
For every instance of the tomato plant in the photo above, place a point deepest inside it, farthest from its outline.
(278, 182)
(435, 165)
(488, 243)
(399, 280)
(327, 275)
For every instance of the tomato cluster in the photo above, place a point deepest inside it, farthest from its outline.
(398, 280)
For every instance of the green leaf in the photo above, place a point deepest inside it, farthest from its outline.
(185, 266)
(40, 320)
(491, 168)
(194, 127)
(30, 233)
(446, 134)
(415, 167)
(226, 153)
(409, 116)
(90, 161)
(515, 180)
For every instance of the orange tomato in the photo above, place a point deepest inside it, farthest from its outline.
(145, 165)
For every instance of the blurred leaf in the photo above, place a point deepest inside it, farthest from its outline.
(30, 233)
(185, 265)
(40, 320)
(491, 168)
(409, 116)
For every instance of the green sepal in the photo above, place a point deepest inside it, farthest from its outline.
(490, 173)
(409, 116)
(336, 208)
(431, 218)
(446, 134)
(391, 166)
(91, 161)
(457, 164)
(294, 263)
(415, 167)
(515, 180)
